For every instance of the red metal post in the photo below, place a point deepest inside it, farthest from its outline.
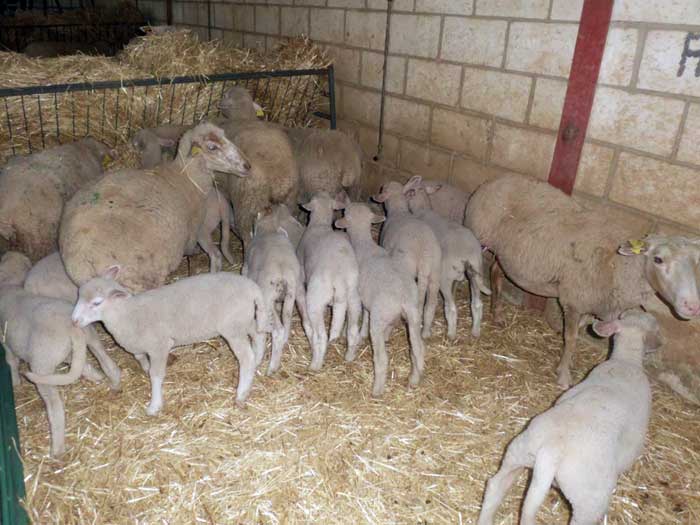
(590, 44)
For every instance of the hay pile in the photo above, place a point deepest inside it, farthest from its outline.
(113, 115)
(316, 448)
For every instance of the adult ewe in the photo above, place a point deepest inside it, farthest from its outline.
(34, 188)
(145, 220)
(550, 245)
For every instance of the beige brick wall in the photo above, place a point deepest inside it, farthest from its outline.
(476, 88)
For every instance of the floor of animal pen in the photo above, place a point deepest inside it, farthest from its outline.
(316, 448)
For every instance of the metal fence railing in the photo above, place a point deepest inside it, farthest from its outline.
(116, 34)
(36, 117)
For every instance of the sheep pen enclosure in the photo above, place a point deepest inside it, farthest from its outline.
(317, 448)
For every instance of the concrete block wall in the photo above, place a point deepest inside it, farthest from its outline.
(476, 88)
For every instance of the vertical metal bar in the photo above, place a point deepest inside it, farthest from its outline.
(331, 96)
(87, 118)
(387, 33)
(211, 92)
(196, 103)
(72, 98)
(184, 107)
(159, 98)
(209, 19)
(9, 126)
(129, 111)
(55, 110)
(294, 97)
(116, 111)
(588, 55)
(172, 100)
(41, 121)
(223, 89)
(255, 89)
(104, 112)
(273, 105)
(26, 124)
(145, 101)
(302, 104)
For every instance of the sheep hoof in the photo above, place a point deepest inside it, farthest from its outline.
(425, 334)
(152, 411)
(240, 403)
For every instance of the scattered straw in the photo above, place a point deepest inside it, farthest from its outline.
(111, 116)
(316, 448)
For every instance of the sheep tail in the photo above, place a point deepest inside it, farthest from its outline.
(77, 363)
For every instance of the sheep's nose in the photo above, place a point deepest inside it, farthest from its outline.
(75, 321)
(246, 165)
(692, 307)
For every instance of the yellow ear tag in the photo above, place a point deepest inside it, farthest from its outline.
(106, 160)
(196, 150)
(259, 112)
(637, 246)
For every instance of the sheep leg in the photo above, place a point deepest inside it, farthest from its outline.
(276, 357)
(446, 285)
(496, 489)
(364, 329)
(417, 348)
(108, 366)
(340, 308)
(317, 299)
(477, 306)
(143, 361)
(259, 339)
(354, 313)
(240, 346)
(422, 282)
(430, 306)
(215, 258)
(497, 277)
(13, 363)
(301, 306)
(227, 222)
(542, 477)
(92, 374)
(56, 415)
(379, 356)
(156, 371)
(571, 322)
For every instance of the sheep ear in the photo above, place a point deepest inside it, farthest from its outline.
(413, 183)
(633, 247)
(376, 219)
(341, 223)
(606, 328)
(379, 197)
(432, 188)
(341, 200)
(118, 294)
(307, 206)
(111, 272)
(282, 231)
(259, 112)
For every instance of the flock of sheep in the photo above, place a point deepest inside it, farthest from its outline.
(104, 244)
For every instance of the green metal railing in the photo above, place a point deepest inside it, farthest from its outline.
(11, 473)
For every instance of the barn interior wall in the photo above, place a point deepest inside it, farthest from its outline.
(476, 88)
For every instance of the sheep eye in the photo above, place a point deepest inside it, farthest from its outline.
(211, 146)
(97, 302)
(658, 260)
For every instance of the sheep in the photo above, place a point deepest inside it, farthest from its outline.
(447, 200)
(145, 220)
(550, 245)
(331, 274)
(48, 277)
(460, 251)
(592, 434)
(274, 177)
(34, 188)
(271, 262)
(38, 330)
(413, 244)
(151, 145)
(187, 311)
(328, 160)
(387, 293)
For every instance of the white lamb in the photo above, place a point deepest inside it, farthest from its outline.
(593, 433)
(331, 274)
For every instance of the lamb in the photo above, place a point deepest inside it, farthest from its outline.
(550, 245)
(413, 244)
(328, 160)
(592, 434)
(460, 251)
(190, 310)
(387, 293)
(48, 278)
(331, 275)
(271, 262)
(446, 200)
(145, 220)
(152, 144)
(34, 188)
(38, 330)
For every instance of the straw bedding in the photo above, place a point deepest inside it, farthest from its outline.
(316, 448)
(113, 115)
